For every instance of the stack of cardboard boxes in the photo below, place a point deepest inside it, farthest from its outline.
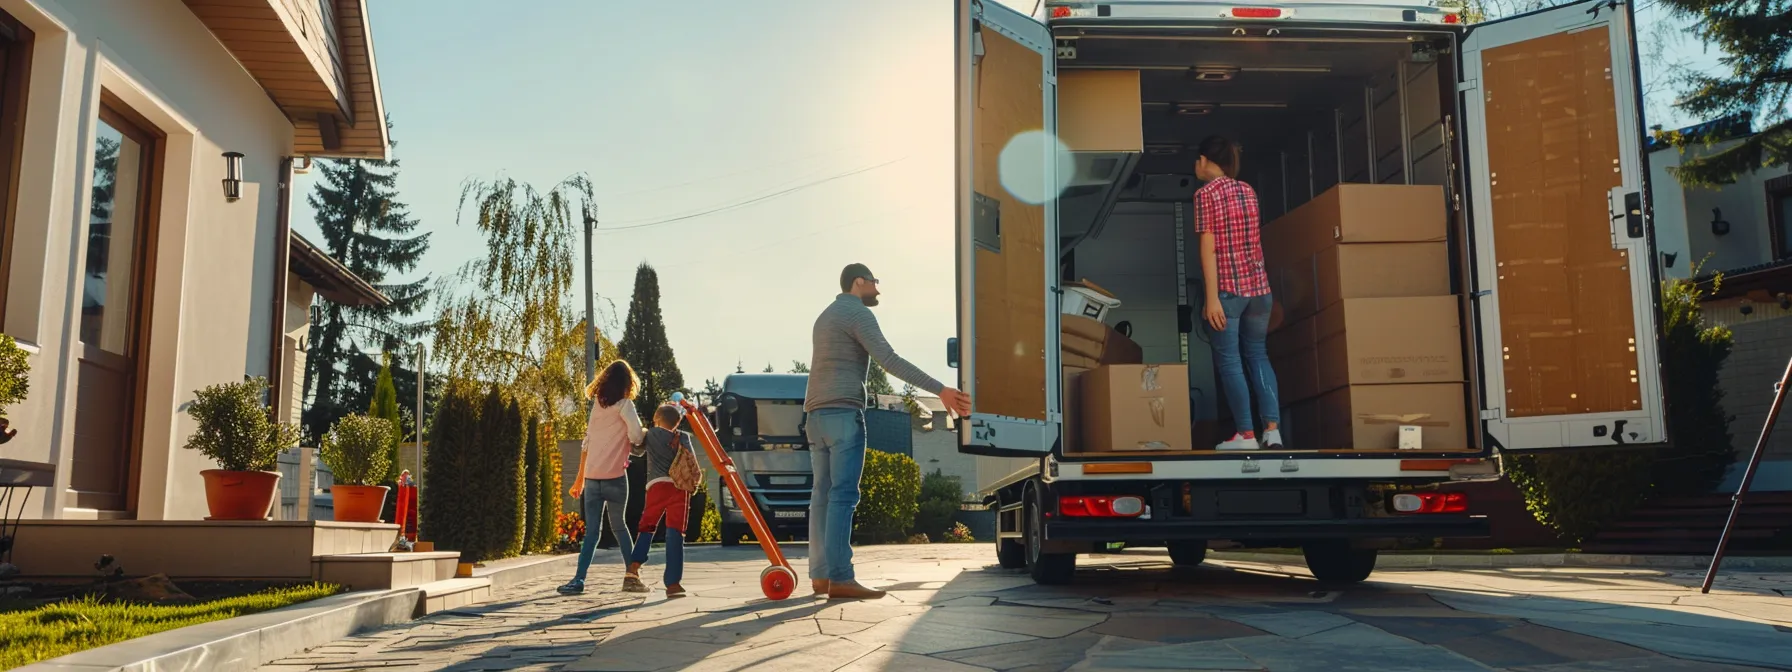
(1370, 339)
(1112, 400)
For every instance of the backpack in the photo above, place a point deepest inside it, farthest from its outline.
(684, 472)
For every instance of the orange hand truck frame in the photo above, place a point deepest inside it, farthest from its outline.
(779, 580)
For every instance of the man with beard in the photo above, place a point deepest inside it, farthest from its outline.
(847, 338)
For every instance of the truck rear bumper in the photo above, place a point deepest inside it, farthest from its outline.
(1433, 525)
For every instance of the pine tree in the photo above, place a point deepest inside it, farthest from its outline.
(369, 231)
(513, 479)
(799, 367)
(385, 406)
(645, 346)
(1753, 35)
(770, 369)
(877, 381)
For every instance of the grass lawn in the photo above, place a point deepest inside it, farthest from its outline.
(62, 628)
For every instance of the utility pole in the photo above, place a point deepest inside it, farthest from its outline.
(422, 361)
(590, 315)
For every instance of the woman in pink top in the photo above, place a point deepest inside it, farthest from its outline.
(612, 433)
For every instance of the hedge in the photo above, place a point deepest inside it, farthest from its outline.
(473, 483)
(889, 497)
(941, 495)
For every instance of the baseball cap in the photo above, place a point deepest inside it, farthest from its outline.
(853, 272)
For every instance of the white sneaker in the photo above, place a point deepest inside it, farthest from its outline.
(1272, 439)
(1238, 442)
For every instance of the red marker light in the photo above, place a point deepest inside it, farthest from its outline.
(1060, 12)
(1256, 13)
(1452, 18)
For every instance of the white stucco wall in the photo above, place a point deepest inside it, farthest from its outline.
(214, 264)
(1683, 217)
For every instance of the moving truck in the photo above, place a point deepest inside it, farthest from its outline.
(1456, 226)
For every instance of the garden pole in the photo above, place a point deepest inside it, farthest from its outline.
(1748, 476)
(590, 318)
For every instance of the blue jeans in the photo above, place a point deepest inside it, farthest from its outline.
(610, 496)
(837, 457)
(1244, 370)
(674, 553)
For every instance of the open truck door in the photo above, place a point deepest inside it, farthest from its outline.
(1565, 295)
(1008, 173)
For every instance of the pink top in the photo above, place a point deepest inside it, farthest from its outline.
(610, 435)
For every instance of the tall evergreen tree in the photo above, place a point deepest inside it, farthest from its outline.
(877, 381)
(450, 496)
(1756, 39)
(368, 230)
(385, 405)
(645, 346)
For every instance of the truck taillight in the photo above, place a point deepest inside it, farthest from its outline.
(1431, 502)
(1256, 13)
(1452, 18)
(1101, 506)
(1061, 12)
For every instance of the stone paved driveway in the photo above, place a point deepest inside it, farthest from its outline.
(951, 609)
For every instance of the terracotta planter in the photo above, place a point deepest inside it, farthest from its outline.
(358, 503)
(240, 495)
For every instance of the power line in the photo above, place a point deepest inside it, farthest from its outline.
(751, 201)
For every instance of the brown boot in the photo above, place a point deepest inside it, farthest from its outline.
(851, 590)
(821, 587)
(634, 570)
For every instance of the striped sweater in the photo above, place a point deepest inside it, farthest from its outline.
(847, 338)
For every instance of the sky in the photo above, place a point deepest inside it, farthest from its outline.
(833, 118)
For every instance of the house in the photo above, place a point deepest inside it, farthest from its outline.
(146, 155)
(1743, 231)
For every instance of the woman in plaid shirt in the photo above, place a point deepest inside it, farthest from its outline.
(1238, 300)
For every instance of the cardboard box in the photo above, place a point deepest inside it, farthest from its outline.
(1098, 111)
(1136, 407)
(1087, 343)
(1381, 271)
(1294, 354)
(1360, 213)
(1383, 341)
(1071, 396)
(1368, 417)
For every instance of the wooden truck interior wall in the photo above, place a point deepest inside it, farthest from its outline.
(1309, 115)
(1009, 310)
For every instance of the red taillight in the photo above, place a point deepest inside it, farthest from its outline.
(1101, 506)
(1431, 502)
(1256, 13)
(1060, 12)
(1452, 18)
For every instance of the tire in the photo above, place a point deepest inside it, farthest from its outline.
(731, 534)
(1334, 561)
(1047, 569)
(1187, 553)
(1011, 554)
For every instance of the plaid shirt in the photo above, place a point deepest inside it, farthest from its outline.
(1227, 208)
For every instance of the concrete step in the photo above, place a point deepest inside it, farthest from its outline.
(382, 571)
(452, 594)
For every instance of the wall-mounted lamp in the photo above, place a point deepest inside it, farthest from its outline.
(1747, 307)
(1719, 225)
(1667, 259)
(233, 176)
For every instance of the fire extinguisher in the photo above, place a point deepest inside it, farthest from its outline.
(407, 505)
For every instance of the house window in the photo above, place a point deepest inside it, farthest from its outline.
(1779, 214)
(15, 64)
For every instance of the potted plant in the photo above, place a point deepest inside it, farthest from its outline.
(235, 431)
(355, 450)
(15, 382)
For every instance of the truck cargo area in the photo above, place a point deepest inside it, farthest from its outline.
(1314, 108)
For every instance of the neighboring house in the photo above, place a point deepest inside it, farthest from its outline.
(146, 154)
(1744, 231)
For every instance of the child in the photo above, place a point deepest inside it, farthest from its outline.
(664, 444)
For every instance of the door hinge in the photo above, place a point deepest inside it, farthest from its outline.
(1468, 85)
(1065, 49)
(1490, 414)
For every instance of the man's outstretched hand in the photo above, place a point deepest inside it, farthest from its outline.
(957, 402)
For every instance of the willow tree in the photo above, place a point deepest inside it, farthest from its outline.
(508, 319)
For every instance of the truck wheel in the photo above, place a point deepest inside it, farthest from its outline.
(1334, 561)
(1188, 553)
(731, 535)
(1047, 569)
(1011, 554)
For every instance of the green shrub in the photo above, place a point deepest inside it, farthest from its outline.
(234, 429)
(385, 405)
(959, 534)
(449, 497)
(501, 446)
(889, 499)
(941, 495)
(532, 531)
(15, 373)
(1699, 449)
(355, 450)
(1580, 492)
